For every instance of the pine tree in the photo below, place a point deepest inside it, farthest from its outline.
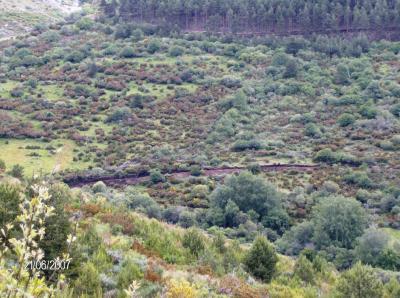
(261, 260)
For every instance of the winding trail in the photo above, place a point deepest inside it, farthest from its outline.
(133, 179)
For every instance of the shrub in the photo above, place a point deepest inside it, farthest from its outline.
(242, 145)
(296, 239)
(346, 119)
(156, 176)
(194, 241)
(325, 155)
(127, 52)
(359, 282)
(187, 219)
(368, 112)
(119, 114)
(395, 110)
(123, 31)
(17, 171)
(312, 130)
(231, 82)
(2, 165)
(129, 272)
(137, 34)
(261, 259)
(85, 24)
(88, 281)
(181, 289)
(153, 46)
(99, 187)
(304, 270)
(75, 57)
(360, 179)
(176, 51)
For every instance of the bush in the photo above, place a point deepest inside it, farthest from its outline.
(17, 171)
(359, 282)
(2, 165)
(242, 145)
(85, 24)
(99, 187)
(187, 219)
(75, 57)
(153, 46)
(325, 155)
(88, 281)
(176, 51)
(231, 82)
(395, 110)
(119, 114)
(194, 241)
(296, 239)
(304, 270)
(123, 31)
(156, 176)
(312, 130)
(368, 112)
(346, 119)
(360, 179)
(129, 272)
(127, 52)
(261, 259)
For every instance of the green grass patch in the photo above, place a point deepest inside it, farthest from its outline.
(43, 160)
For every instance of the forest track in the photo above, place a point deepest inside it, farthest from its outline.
(133, 179)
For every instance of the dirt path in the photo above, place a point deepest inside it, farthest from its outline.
(210, 172)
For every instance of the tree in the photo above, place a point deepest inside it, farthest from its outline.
(247, 192)
(371, 245)
(58, 226)
(359, 282)
(338, 221)
(261, 259)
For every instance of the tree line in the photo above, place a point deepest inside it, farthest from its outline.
(261, 16)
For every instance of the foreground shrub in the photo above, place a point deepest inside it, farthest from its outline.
(194, 241)
(359, 282)
(181, 289)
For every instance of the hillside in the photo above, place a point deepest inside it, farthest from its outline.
(19, 17)
(191, 164)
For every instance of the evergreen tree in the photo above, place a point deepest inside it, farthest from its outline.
(261, 259)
